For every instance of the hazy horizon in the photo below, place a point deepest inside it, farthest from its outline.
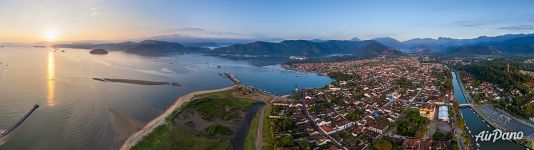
(56, 21)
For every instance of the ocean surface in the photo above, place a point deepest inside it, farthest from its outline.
(78, 112)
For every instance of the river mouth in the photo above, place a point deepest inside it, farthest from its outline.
(238, 141)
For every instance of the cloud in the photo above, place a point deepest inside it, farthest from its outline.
(200, 32)
(518, 27)
(188, 29)
(193, 34)
(468, 23)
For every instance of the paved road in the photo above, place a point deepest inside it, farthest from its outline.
(259, 133)
(509, 123)
(458, 133)
(317, 128)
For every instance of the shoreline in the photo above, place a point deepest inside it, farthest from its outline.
(156, 122)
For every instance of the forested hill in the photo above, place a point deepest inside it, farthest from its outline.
(310, 49)
(502, 72)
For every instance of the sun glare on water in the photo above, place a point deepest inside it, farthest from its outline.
(51, 85)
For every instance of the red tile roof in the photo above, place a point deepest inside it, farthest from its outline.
(326, 128)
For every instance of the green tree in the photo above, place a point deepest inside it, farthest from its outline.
(412, 124)
(438, 136)
(382, 144)
(304, 144)
(284, 140)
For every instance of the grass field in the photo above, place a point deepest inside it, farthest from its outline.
(251, 136)
(220, 105)
(168, 136)
(267, 132)
(218, 129)
(212, 106)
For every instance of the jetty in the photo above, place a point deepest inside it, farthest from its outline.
(140, 82)
(231, 76)
(12, 127)
(236, 81)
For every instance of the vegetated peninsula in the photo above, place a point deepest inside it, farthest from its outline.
(141, 82)
(218, 119)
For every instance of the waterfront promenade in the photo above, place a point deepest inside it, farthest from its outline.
(497, 118)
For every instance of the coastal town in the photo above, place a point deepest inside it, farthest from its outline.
(366, 100)
(409, 103)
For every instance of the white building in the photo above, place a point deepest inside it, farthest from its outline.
(443, 113)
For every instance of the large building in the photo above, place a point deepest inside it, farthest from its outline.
(443, 113)
(427, 110)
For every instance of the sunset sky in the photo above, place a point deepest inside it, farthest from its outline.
(118, 20)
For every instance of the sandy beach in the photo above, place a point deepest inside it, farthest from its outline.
(137, 136)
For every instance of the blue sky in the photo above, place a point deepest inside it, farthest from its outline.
(286, 19)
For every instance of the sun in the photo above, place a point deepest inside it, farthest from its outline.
(50, 34)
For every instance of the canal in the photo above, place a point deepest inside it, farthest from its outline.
(476, 124)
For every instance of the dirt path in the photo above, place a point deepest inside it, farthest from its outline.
(259, 134)
(137, 136)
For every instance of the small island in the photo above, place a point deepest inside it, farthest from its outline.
(99, 52)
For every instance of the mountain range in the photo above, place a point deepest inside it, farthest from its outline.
(153, 48)
(306, 48)
(510, 44)
(368, 48)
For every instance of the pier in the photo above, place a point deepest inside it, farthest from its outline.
(12, 127)
(231, 76)
(238, 83)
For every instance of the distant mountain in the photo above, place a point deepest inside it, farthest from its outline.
(317, 40)
(391, 42)
(510, 44)
(201, 44)
(309, 49)
(444, 45)
(108, 46)
(522, 45)
(156, 48)
(475, 50)
(355, 39)
(507, 46)
(145, 48)
(186, 39)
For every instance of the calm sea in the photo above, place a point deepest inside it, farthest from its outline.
(78, 112)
